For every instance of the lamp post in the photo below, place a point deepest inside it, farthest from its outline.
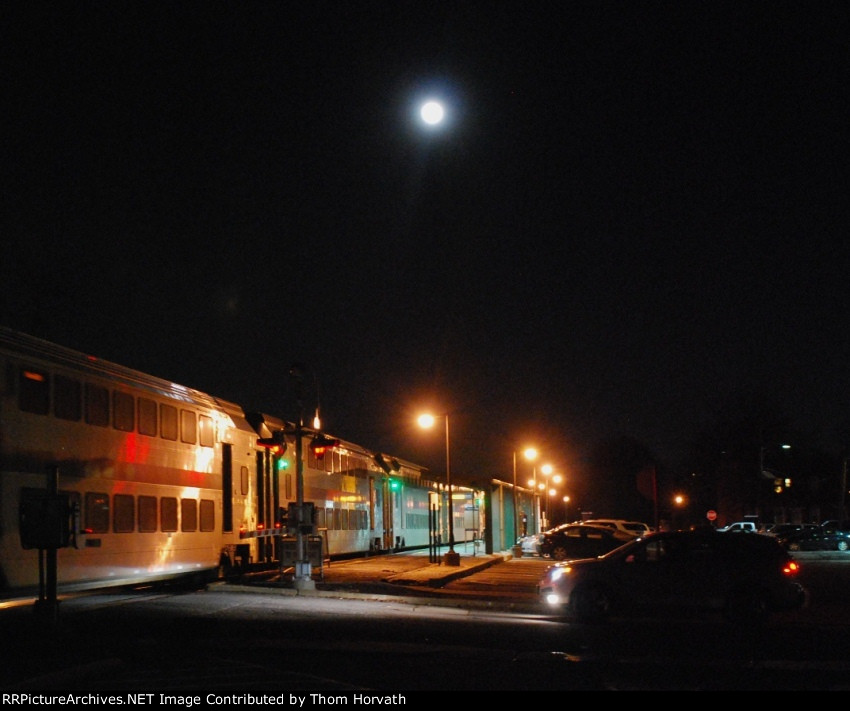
(535, 485)
(762, 449)
(530, 453)
(303, 579)
(766, 474)
(427, 421)
(679, 502)
(546, 471)
(550, 492)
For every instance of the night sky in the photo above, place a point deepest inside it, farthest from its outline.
(632, 212)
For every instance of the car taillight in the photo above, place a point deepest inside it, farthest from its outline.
(791, 568)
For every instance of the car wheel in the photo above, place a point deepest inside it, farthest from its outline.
(590, 603)
(747, 607)
(843, 545)
(559, 553)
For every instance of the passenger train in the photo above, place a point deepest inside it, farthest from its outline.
(131, 479)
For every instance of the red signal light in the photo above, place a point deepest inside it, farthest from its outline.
(321, 444)
(276, 443)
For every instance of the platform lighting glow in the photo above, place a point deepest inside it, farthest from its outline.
(432, 112)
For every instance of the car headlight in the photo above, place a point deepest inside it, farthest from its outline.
(560, 572)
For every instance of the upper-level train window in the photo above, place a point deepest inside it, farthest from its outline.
(168, 421)
(96, 512)
(188, 515)
(123, 412)
(147, 417)
(206, 431)
(168, 513)
(34, 391)
(124, 516)
(67, 398)
(188, 428)
(97, 405)
(147, 514)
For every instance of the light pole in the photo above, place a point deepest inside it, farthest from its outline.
(427, 421)
(303, 579)
(551, 491)
(766, 475)
(535, 502)
(769, 474)
(530, 453)
(546, 471)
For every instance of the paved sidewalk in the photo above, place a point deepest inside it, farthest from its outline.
(406, 574)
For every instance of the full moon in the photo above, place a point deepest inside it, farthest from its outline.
(432, 112)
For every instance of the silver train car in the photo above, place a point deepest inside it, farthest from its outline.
(159, 482)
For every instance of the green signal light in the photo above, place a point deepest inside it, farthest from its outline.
(282, 464)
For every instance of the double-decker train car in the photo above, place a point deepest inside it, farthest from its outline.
(144, 480)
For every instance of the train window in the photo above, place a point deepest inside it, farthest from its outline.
(34, 391)
(188, 515)
(336, 526)
(124, 516)
(97, 512)
(147, 514)
(206, 431)
(343, 520)
(243, 481)
(123, 412)
(168, 421)
(67, 398)
(97, 405)
(168, 513)
(147, 417)
(207, 515)
(320, 518)
(188, 429)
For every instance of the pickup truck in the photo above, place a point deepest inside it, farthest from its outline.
(739, 527)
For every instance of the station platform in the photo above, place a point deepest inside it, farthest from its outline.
(414, 572)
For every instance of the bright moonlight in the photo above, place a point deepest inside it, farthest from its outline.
(432, 112)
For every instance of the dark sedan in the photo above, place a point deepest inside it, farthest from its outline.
(746, 577)
(577, 541)
(815, 539)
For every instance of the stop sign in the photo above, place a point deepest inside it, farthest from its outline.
(711, 515)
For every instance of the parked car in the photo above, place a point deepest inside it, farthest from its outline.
(529, 544)
(625, 530)
(783, 529)
(577, 540)
(815, 539)
(738, 527)
(744, 577)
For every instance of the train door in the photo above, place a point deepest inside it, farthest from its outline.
(389, 508)
(263, 498)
